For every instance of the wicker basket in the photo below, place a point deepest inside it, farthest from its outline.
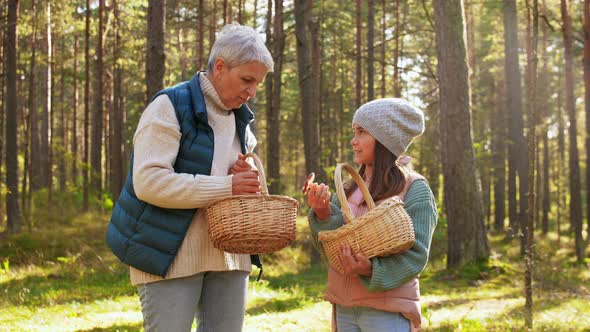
(252, 224)
(385, 230)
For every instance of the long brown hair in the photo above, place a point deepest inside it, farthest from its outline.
(389, 178)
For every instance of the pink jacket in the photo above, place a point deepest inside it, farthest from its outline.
(348, 291)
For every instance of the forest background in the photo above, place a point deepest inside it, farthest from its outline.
(504, 85)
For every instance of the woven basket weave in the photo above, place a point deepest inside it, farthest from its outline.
(385, 230)
(252, 224)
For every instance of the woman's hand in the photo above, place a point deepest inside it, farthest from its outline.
(245, 177)
(241, 165)
(244, 183)
(319, 200)
(355, 263)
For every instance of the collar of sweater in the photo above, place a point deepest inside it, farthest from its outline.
(212, 97)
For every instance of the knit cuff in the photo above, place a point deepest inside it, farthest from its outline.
(209, 188)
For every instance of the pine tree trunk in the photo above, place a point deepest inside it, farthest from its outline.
(200, 35)
(587, 105)
(303, 12)
(155, 57)
(499, 160)
(74, 132)
(212, 24)
(274, 107)
(532, 37)
(85, 166)
(61, 132)
(116, 119)
(383, 48)
(51, 125)
(516, 148)
(47, 88)
(561, 182)
(546, 199)
(10, 40)
(396, 51)
(254, 14)
(370, 50)
(32, 112)
(316, 78)
(574, 163)
(3, 8)
(467, 239)
(97, 112)
(35, 160)
(358, 78)
(240, 18)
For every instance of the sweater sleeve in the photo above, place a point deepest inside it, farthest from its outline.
(155, 148)
(393, 271)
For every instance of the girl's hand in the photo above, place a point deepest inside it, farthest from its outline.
(355, 263)
(318, 199)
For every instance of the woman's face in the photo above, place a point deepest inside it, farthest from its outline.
(363, 145)
(235, 85)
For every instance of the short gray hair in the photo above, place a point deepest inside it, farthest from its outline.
(239, 44)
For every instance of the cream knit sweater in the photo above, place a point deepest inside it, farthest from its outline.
(155, 143)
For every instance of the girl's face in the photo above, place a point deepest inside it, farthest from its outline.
(363, 145)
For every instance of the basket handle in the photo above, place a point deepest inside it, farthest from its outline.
(260, 168)
(342, 196)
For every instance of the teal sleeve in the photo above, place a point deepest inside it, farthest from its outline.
(393, 271)
(335, 221)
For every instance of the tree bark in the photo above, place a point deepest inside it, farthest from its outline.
(311, 142)
(316, 78)
(212, 24)
(358, 79)
(35, 160)
(561, 183)
(517, 167)
(10, 40)
(587, 104)
(155, 66)
(396, 51)
(467, 239)
(85, 167)
(75, 116)
(499, 160)
(383, 48)
(240, 11)
(542, 95)
(61, 131)
(532, 37)
(117, 128)
(3, 9)
(47, 94)
(52, 130)
(274, 98)
(255, 14)
(200, 35)
(370, 50)
(574, 163)
(97, 112)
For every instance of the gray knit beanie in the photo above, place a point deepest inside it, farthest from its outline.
(391, 121)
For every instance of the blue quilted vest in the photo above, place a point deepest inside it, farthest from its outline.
(148, 237)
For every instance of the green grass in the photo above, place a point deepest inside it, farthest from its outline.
(62, 277)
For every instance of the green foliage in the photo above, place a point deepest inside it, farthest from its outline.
(5, 265)
(63, 277)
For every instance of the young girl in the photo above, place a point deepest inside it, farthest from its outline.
(381, 293)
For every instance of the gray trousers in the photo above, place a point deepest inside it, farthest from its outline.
(216, 299)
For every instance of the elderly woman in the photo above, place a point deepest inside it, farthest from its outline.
(187, 151)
